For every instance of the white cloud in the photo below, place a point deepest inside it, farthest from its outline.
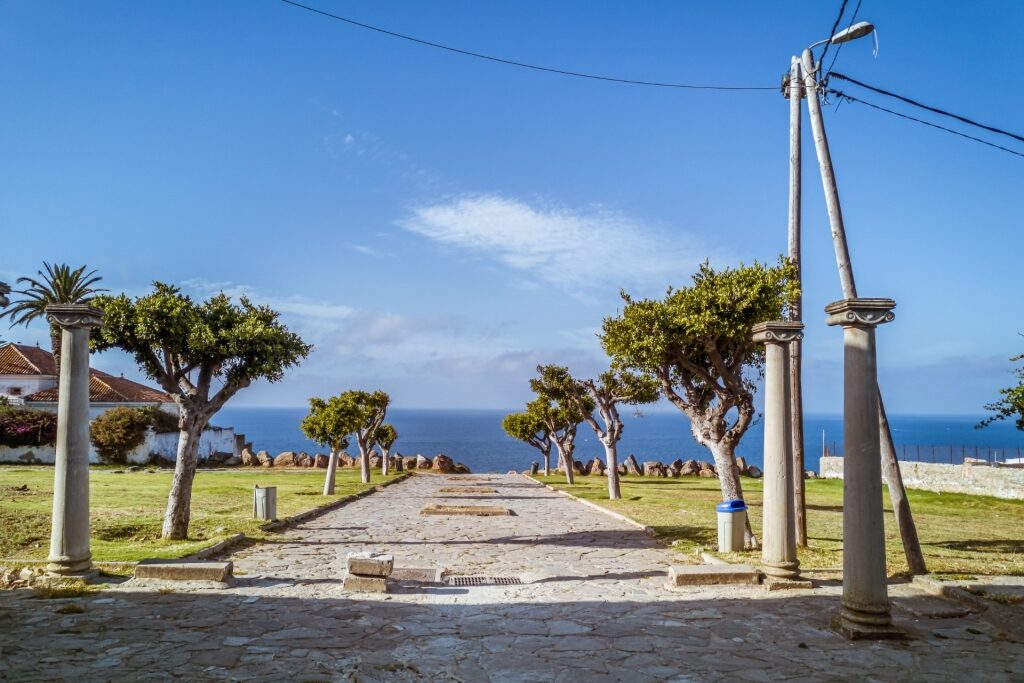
(571, 248)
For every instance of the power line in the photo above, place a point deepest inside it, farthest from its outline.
(840, 48)
(835, 25)
(851, 98)
(929, 108)
(535, 67)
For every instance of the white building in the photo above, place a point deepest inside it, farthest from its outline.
(28, 377)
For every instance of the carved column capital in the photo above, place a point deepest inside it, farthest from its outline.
(860, 312)
(70, 316)
(777, 332)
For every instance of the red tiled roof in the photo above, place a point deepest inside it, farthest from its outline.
(21, 359)
(18, 359)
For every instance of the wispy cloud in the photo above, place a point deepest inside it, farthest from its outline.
(571, 248)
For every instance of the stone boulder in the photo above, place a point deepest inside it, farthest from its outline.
(672, 470)
(708, 467)
(423, 463)
(631, 465)
(534, 468)
(409, 463)
(218, 458)
(578, 467)
(376, 461)
(442, 463)
(249, 458)
(690, 468)
(346, 460)
(754, 471)
(653, 468)
(321, 461)
(741, 465)
(303, 460)
(676, 464)
(264, 459)
(596, 467)
(286, 459)
(621, 469)
(708, 474)
(461, 469)
(810, 474)
(233, 461)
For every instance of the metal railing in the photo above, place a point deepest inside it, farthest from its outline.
(949, 455)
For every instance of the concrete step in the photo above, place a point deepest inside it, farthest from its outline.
(712, 574)
(184, 570)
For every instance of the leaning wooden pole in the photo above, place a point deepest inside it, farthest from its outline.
(890, 466)
(796, 406)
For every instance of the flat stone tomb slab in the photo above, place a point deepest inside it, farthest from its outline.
(712, 574)
(370, 564)
(471, 510)
(417, 574)
(184, 570)
(786, 584)
(467, 489)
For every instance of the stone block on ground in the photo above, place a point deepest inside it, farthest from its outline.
(741, 465)
(184, 570)
(712, 574)
(631, 465)
(264, 459)
(409, 463)
(754, 471)
(596, 467)
(653, 468)
(286, 459)
(365, 584)
(303, 460)
(423, 463)
(249, 458)
(321, 461)
(470, 510)
(442, 463)
(370, 564)
(690, 468)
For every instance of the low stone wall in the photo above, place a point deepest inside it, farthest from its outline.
(213, 440)
(1001, 482)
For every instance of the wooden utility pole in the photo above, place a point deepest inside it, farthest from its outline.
(796, 406)
(890, 466)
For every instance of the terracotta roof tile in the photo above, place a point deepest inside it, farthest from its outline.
(21, 359)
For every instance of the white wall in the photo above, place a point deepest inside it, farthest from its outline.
(214, 440)
(29, 384)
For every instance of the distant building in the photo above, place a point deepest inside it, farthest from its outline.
(28, 376)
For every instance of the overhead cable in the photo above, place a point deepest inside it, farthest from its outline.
(510, 62)
(851, 98)
(835, 25)
(935, 110)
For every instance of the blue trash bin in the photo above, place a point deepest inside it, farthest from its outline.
(732, 520)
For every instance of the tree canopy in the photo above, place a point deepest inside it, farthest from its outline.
(1011, 405)
(329, 423)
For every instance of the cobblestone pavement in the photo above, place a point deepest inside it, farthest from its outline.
(593, 607)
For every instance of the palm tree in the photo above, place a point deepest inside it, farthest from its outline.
(58, 285)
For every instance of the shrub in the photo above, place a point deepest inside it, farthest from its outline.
(118, 432)
(27, 427)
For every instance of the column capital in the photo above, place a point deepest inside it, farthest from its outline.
(860, 312)
(69, 316)
(777, 331)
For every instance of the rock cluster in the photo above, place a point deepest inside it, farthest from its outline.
(655, 468)
(441, 462)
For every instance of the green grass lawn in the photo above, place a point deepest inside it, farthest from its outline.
(126, 509)
(960, 534)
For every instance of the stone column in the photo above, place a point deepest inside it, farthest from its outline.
(778, 555)
(865, 605)
(69, 534)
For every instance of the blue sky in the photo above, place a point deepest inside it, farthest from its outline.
(437, 225)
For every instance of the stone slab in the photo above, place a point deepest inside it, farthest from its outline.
(370, 564)
(417, 574)
(787, 584)
(712, 574)
(365, 584)
(471, 510)
(852, 631)
(179, 570)
(467, 489)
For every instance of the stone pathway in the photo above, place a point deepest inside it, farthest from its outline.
(593, 607)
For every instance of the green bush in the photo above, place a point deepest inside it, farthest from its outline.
(27, 427)
(118, 432)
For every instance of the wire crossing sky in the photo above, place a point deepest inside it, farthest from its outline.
(437, 225)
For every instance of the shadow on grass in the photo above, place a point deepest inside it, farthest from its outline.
(699, 535)
(989, 546)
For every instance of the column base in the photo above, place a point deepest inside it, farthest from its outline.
(69, 567)
(871, 629)
(781, 571)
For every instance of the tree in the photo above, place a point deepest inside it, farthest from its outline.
(561, 415)
(1011, 405)
(58, 285)
(118, 432)
(384, 439)
(187, 347)
(696, 343)
(529, 427)
(329, 423)
(352, 413)
(603, 395)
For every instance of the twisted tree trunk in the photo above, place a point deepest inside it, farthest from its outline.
(611, 454)
(179, 500)
(332, 468)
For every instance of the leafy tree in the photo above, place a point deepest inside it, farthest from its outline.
(118, 432)
(529, 427)
(604, 395)
(190, 349)
(696, 343)
(58, 285)
(384, 439)
(352, 413)
(1012, 402)
(329, 423)
(560, 415)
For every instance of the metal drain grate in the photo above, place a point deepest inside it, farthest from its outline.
(484, 581)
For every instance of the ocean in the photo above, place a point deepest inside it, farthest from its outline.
(475, 437)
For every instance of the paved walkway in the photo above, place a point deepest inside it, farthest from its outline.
(593, 607)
